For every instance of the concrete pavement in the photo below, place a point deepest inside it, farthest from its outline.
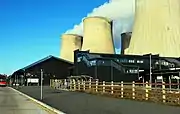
(12, 102)
(83, 103)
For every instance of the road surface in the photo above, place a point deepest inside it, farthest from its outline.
(83, 103)
(12, 102)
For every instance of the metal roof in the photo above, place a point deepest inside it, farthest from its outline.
(45, 59)
(175, 61)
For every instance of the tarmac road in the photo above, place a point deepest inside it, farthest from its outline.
(12, 102)
(82, 103)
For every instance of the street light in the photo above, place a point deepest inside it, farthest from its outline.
(41, 84)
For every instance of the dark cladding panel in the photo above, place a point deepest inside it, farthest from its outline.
(52, 67)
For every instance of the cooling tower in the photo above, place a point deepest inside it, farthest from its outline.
(125, 41)
(156, 28)
(98, 35)
(69, 43)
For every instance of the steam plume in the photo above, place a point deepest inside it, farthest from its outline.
(120, 11)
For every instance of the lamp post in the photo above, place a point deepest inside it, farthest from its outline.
(41, 84)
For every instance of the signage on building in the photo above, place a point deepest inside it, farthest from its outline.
(33, 80)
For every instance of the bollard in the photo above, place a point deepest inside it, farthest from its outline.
(103, 86)
(96, 85)
(112, 88)
(147, 91)
(163, 92)
(89, 83)
(133, 90)
(122, 89)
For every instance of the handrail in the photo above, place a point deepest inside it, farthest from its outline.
(86, 61)
(113, 63)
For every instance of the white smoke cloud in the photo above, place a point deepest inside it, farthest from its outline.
(120, 11)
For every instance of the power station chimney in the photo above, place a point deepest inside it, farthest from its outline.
(69, 43)
(98, 35)
(157, 28)
(125, 41)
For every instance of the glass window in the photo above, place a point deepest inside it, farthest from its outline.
(131, 61)
(100, 61)
(117, 60)
(123, 60)
(139, 61)
(133, 71)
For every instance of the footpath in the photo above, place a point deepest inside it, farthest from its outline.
(83, 103)
(12, 102)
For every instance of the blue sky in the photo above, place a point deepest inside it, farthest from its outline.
(31, 29)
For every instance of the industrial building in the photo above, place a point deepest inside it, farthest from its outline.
(51, 66)
(128, 68)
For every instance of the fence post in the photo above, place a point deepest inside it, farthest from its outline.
(112, 88)
(89, 83)
(61, 84)
(53, 83)
(147, 95)
(122, 89)
(163, 92)
(58, 84)
(79, 85)
(96, 85)
(178, 83)
(170, 83)
(70, 84)
(84, 85)
(74, 83)
(133, 90)
(103, 86)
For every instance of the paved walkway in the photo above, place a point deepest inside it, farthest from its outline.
(12, 102)
(82, 103)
